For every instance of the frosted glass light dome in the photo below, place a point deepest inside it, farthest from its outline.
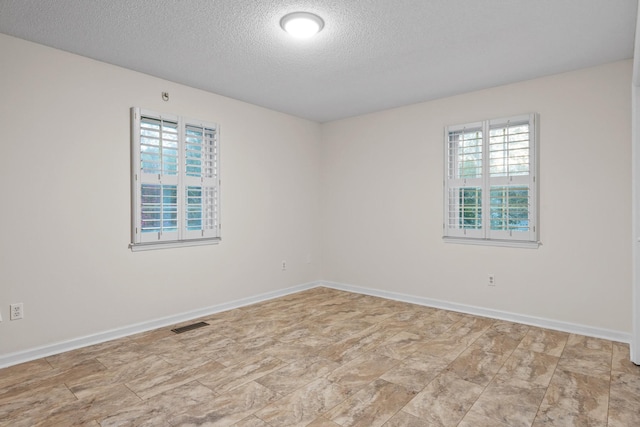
(302, 25)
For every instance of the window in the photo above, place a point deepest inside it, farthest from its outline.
(175, 181)
(490, 194)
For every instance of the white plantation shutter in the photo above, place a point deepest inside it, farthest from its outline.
(490, 181)
(157, 204)
(463, 198)
(201, 180)
(175, 180)
(511, 179)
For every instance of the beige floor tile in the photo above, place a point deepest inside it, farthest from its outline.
(412, 313)
(588, 348)
(70, 423)
(403, 419)
(258, 329)
(54, 377)
(594, 368)
(476, 419)
(79, 371)
(399, 346)
(19, 374)
(469, 329)
(205, 345)
(626, 384)
(445, 401)
(88, 385)
(226, 379)
(304, 335)
(529, 366)
(175, 352)
(111, 399)
(509, 405)
(67, 360)
(251, 421)
(229, 355)
(544, 341)
(444, 348)
(226, 409)
(623, 414)
(140, 415)
(372, 406)
(357, 373)
(587, 356)
(344, 317)
(150, 385)
(358, 344)
(501, 337)
(290, 352)
(510, 329)
(322, 422)
(425, 362)
(377, 316)
(429, 327)
(412, 379)
(181, 399)
(621, 360)
(30, 406)
(305, 405)
(297, 374)
(573, 398)
(446, 317)
(477, 366)
(152, 336)
(121, 355)
(624, 401)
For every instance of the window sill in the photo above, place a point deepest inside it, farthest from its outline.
(136, 247)
(493, 242)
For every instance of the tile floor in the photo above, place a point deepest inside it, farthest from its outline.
(324, 358)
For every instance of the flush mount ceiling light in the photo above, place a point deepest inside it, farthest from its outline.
(302, 25)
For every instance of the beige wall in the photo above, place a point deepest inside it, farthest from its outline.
(382, 202)
(65, 211)
(360, 198)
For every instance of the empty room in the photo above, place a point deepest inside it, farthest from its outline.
(319, 213)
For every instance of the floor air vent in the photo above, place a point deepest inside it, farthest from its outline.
(189, 327)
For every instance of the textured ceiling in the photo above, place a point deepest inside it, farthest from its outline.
(371, 55)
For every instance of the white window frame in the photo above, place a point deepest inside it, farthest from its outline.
(205, 196)
(483, 234)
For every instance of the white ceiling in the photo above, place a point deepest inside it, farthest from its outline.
(371, 55)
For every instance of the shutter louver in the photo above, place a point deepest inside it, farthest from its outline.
(158, 146)
(159, 208)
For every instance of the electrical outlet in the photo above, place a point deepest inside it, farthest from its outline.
(491, 281)
(284, 265)
(16, 311)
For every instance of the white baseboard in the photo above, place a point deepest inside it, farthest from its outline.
(60, 347)
(573, 328)
(73, 344)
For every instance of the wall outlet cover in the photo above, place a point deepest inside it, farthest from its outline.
(16, 311)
